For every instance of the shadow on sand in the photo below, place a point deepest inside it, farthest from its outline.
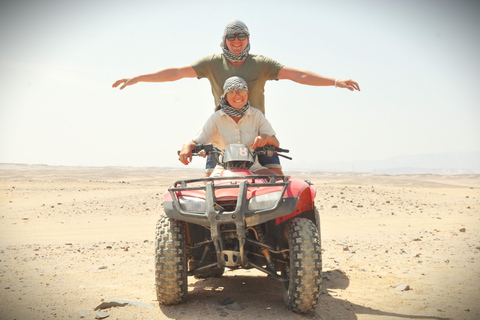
(250, 297)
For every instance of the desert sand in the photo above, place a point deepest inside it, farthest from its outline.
(394, 247)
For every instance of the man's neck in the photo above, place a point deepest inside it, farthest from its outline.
(237, 63)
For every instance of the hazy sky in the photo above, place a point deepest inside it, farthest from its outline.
(417, 63)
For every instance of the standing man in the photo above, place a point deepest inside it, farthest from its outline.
(237, 61)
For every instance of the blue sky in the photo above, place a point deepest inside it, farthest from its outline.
(416, 63)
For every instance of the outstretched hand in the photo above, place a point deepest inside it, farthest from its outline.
(348, 84)
(124, 83)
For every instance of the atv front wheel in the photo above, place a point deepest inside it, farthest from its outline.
(304, 269)
(170, 262)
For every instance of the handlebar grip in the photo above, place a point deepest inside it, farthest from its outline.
(208, 148)
(194, 154)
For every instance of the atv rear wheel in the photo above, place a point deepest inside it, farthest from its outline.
(170, 262)
(304, 269)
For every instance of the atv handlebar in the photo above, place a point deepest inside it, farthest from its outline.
(209, 148)
(269, 150)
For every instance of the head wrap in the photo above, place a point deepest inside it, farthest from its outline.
(232, 84)
(235, 26)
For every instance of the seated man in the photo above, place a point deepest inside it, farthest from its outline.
(235, 121)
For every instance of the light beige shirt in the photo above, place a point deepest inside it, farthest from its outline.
(221, 130)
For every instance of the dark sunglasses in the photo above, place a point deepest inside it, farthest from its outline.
(241, 36)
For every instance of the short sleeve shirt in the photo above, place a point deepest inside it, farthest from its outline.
(222, 130)
(256, 70)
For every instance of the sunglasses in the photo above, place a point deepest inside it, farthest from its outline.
(239, 91)
(241, 36)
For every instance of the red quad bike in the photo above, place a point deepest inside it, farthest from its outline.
(240, 220)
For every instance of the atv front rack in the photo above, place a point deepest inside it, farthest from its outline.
(213, 217)
(282, 206)
(273, 180)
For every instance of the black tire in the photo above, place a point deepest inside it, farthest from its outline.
(170, 262)
(304, 270)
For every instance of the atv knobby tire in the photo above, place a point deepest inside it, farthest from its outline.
(304, 270)
(170, 262)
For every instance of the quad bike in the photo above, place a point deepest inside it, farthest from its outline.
(240, 220)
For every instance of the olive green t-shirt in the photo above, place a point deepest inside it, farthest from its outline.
(256, 70)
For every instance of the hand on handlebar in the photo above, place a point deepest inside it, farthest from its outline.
(259, 141)
(185, 155)
(193, 149)
(269, 150)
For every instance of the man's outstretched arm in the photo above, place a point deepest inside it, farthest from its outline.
(313, 79)
(169, 74)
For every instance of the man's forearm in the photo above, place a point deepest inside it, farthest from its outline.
(169, 74)
(313, 79)
(305, 77)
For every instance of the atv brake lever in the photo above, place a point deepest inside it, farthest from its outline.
(284, 156)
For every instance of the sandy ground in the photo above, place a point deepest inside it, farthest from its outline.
(72, 238)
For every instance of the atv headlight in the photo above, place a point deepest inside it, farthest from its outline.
(191, 204)
(265, 201)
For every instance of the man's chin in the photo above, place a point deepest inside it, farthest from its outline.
(236, 51)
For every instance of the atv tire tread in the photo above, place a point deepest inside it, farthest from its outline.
(170, 262)
(302, 291)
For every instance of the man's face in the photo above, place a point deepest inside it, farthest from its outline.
(237, 98)
(237, 46)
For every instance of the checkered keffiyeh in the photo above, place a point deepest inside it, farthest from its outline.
(234, 83)
(235, 26)
(231, 84)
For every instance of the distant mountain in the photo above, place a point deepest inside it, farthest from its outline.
(436, 163)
